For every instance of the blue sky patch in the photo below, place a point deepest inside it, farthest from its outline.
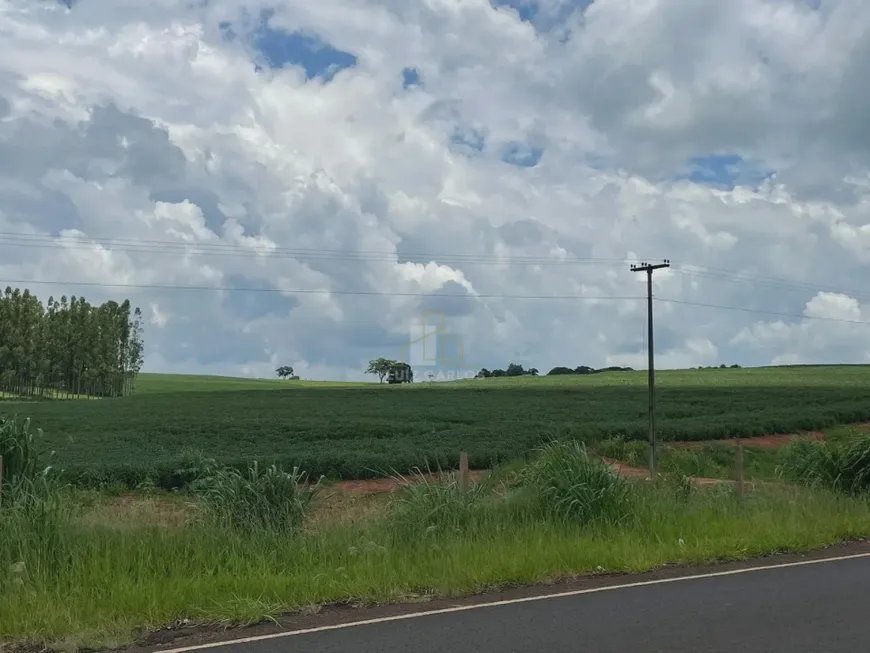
(522, 154)
(527, 9)
(316, 57)
(410, 78)
(277, 48)
(723, 170)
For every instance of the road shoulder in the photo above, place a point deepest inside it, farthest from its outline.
(184, 636)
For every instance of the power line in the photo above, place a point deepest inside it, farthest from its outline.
(309, 291)
(770, 282)
(760, 311)
(42, 241)
(170, 247)
(38, 241)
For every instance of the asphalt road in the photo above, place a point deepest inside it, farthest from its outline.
(817, 608)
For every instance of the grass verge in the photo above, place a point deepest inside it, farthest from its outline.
(69, 578)
(707, 460)
(841, 464)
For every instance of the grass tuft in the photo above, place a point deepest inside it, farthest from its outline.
(571, 486)
(19, 453)
(842, 465)
(259, 498)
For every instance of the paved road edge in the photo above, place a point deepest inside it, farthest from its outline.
(343, 616)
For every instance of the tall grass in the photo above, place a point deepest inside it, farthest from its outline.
(632, 452)
(842, 464)
(33, 508)
(563, 514)
(570, 486)
(432, 506)
(258, 498)
(19, 453)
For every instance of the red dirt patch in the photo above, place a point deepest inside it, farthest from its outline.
(625, 470)
(636, 472)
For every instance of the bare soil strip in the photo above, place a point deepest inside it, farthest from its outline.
(636, 472)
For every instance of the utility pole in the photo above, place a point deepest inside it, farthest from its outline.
(646, 267)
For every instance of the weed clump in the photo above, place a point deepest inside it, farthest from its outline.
(33, 509)
(19, 454)
(258, 498)
(431, 505)
(633, 452)
(570, 486)
(842, 465)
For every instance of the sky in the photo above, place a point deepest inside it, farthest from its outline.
(296, 183)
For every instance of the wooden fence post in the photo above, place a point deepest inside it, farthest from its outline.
(463, 472)
(740, 488)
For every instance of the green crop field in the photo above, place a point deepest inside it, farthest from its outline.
(358, 430)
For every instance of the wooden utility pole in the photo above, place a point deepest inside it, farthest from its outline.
(648, 268)
(740, 487)
(463, 472)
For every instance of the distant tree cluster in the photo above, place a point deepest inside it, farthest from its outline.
(584, 369)
(517, 370)
(512, 370)
(392, 371)
(723, 366)
(68, 347)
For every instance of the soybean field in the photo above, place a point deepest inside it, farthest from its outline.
(361, 430)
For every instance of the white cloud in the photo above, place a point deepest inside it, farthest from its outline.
(692, 353)
(139, 128)
(833, 331)
(835, 306)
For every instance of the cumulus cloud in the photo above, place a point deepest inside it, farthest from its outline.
(294, 184)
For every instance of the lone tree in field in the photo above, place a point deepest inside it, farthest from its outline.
(284, 372)
(381, 367)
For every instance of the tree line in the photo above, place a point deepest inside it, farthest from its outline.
(68, 346)
(398, 372)
(517, 370)
(585, 369)
(512, 370)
